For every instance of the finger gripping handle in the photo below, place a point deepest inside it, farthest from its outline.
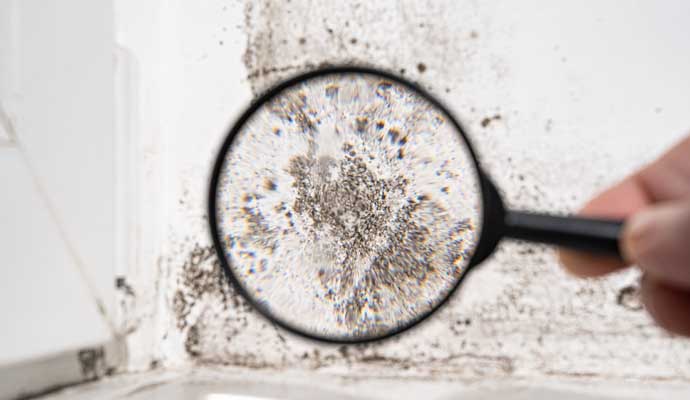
(588, 234)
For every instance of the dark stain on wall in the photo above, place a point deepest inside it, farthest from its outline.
(201, 276)
(629, 298)
(122, 285)
(488, 120)
(92, 362)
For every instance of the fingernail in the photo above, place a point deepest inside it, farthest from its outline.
(657, 232)
(636, 234)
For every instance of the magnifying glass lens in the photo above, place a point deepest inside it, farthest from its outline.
(347, 206)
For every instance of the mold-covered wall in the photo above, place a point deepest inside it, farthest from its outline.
(560, 100)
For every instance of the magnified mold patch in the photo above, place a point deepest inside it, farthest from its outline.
(334, 211)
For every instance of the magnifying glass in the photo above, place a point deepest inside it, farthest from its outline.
(347, 205)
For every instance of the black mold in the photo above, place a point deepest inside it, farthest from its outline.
(92, 362)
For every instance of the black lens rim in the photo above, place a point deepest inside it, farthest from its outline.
(218, 166)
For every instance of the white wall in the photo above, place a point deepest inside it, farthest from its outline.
(586, 93)
(57, 170)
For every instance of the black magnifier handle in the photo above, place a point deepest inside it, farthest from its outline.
(588, 234)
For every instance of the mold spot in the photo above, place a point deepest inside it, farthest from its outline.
(122, 285)
(383, 89)
(488, 120)
(270, 184)
(361, 124)
(421, 67)
(201, 280)
(393, 134)
(629, 298)
(192, 342)
(332, 90)
(92, 362)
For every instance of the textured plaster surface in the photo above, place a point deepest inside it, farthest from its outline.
(560, 101)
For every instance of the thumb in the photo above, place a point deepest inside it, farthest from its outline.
(657, 239)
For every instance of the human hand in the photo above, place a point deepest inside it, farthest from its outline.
(655, 202)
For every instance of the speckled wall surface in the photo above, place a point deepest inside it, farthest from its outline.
(557, 99)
